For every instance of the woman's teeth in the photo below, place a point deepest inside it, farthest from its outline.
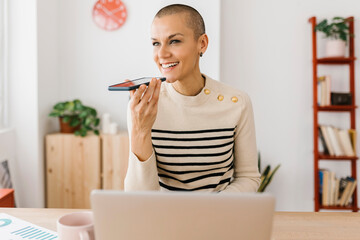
(169, 65)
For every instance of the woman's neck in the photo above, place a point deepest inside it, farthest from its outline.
(191, 85)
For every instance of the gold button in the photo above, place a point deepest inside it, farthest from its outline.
(220, 97)
(207, 91)
(234, 99)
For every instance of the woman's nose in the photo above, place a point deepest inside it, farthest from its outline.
(164, 52)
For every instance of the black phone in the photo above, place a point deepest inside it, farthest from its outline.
(133, 84)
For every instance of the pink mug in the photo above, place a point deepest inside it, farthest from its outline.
(76, 226)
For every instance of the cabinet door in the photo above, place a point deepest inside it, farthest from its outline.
(73, 168)
(115, 155)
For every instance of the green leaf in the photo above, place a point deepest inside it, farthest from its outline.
(66, 119)
(69, 106)
(96, 132)
(88, 121)
(54, 114)
(74, 122)
(83, 114)
(77, 133)
(60, 106)
(83, 132)
(266, 171)
(97, 122)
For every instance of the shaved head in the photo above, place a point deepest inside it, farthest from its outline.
(194, 20)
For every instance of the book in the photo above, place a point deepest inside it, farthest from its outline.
(342, 186)
(328, 90)
(331, 188)
(325, 190)
(334, 141)
(345, 142)
(346, 191)
(323, 142)
(319, 80)
(352, 189)
(325, 133)
(337, 187)
(353, 137)
(321, 176)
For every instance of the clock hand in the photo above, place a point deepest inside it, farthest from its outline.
(117, 10)
(107, 11)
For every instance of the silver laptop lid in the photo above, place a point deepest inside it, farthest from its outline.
(179, 216)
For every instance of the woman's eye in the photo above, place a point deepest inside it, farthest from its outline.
(174, 41)
(155, 44)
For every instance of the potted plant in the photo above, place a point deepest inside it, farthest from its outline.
(266, 175)
(76, 118)
(337, 33)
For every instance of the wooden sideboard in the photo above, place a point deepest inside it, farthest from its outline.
(77, 165)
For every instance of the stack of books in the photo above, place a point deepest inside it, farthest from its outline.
(337, 142)
(334, 191)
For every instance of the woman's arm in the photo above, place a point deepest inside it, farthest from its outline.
(246, 173)
(142, 110)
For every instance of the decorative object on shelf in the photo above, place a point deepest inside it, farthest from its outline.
(266, 175)
(338, 144)
(338, 32)
(108, 127)
(340, 98)
(109, 15)
(76, 118)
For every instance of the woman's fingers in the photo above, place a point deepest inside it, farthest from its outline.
(149, 91)
(156, 93)
(136, 98)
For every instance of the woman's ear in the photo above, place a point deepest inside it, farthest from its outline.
(203, 43)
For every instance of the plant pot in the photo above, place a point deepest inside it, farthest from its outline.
(335, 48)
(66, 128)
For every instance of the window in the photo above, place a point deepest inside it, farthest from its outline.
(3, 58)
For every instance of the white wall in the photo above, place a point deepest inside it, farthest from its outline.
(266, 51)
(23, 100)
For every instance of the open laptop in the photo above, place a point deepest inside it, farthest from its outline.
(181, 216)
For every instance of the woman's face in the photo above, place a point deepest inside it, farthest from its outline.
(175, 50)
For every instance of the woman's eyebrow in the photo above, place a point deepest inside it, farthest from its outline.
(171, 36)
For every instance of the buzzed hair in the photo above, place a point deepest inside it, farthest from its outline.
(194, 19)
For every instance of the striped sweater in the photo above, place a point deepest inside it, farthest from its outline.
(201, 143)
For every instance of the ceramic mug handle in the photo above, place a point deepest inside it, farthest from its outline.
(84, 235)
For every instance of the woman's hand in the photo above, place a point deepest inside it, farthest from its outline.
(143, 106)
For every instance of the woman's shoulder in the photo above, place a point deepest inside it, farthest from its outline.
(223, 90)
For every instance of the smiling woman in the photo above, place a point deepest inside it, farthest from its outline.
(190, 133)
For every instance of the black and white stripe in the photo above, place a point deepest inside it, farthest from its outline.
(198, 160)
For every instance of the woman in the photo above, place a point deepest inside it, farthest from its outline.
(190, 133)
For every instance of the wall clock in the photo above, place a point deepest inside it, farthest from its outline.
(109, 14)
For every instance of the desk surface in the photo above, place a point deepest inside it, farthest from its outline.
(287, 225)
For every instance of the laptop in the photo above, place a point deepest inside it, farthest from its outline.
(181, 216)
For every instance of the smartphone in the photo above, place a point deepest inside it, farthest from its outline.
(133, 84)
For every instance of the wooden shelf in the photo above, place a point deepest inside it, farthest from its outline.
(319, 156)
(336, 108)
(337, 158)
(349, 207)
(337, 60)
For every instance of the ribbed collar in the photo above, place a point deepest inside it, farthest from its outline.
(198, 99)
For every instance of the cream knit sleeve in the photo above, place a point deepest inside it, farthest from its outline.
(140, 176)
(246, 173)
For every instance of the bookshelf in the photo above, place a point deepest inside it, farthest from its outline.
(350, 61)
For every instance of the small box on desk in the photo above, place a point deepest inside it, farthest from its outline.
(7, 197)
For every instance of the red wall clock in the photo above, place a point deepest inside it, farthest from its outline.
(109, 14)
